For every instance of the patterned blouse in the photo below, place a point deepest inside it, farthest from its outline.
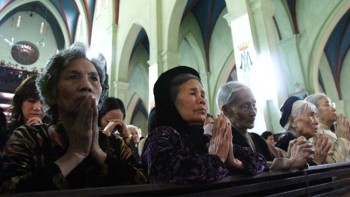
(29, 156)
(170, 158)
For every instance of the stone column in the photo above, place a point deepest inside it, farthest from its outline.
(122, 92)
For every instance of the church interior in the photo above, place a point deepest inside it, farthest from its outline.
(293, 48)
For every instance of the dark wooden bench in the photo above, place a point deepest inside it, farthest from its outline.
(322, 180)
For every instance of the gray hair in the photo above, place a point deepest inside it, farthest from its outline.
(314, 98)
(177, 82)
(47, 81)
(228, 93)
(298, 108)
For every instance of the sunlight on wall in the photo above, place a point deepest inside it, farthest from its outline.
(153, 76)
(254, 70)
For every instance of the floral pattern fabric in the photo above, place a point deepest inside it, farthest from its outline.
(29, 156)
(170, 158)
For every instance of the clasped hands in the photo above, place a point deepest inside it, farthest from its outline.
(35, 120)
(221, 143)
(342, 127)
(301, 151)
(84, 133)
(111, 127)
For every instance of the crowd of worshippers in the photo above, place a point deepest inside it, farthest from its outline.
(64, 133)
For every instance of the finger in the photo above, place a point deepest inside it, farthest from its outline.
(308, 150)
(300, 140)
(95, 116)
(292, 142)
(34, 121)
(223, 127)
(325, 143)
(217, 125)
(84, 116)
(229, 130)
(328, 147)
(228, 135)
(315, 140)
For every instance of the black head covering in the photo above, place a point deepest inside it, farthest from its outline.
(166, 112)
(152, 120)
(286, 109)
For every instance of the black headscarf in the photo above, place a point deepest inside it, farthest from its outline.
(286, 109)
(166, 112)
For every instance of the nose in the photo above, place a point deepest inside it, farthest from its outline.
(202, 100)
(252, 110)
(315, 121)
(85, 85)
(37, 106)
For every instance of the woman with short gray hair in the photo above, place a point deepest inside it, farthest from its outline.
(237, 102)
(71, 152)
(327, 117)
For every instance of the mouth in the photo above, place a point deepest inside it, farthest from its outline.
(203, 111)
(80, 99)
(36, 114)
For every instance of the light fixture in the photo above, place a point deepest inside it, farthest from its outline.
(18, 23)
(43, 30)
(6, 95)
(4, 106)
(42, 27)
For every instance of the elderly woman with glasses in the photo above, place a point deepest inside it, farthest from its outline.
(327, 117)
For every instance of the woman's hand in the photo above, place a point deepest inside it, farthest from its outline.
(231, 160)
(80, 137)
(342, 127)
(34, 121)
(96, 152)
(300, 152)
(109, 129)
(220, 141)
(80, 134)
(321, 145)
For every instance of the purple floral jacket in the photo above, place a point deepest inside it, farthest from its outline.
(170, 158)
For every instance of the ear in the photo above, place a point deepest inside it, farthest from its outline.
(225, 110)
(292, 122)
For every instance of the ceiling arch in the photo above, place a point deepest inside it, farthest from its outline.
(68, 12)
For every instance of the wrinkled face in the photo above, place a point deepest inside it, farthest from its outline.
(32, 108)
(76, 82)
(326, 111)
(136, 136)
(190, 102)
(305, 124)
(135, 133)
(110, 116)
(243, 110)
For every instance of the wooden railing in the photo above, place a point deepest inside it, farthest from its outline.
(10, 78)
(323, 180)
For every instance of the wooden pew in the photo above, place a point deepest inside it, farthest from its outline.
(322, 180)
